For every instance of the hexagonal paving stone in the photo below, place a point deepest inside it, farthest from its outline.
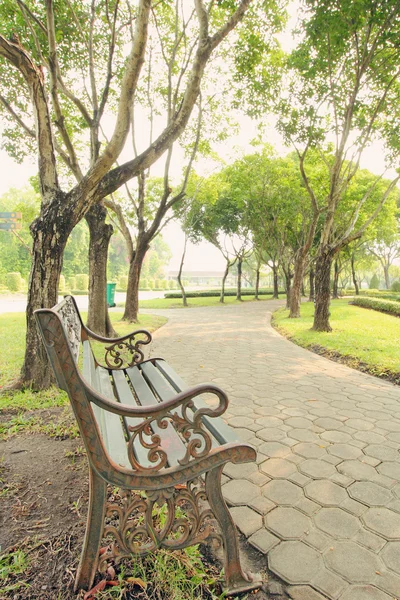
(388, 425)
(298, 422)
(325, 492)
(287, 523)
(240, 421)
(309, 450)
(383, 521)
(370, 493)
(328, 423)
(303, 435)
(282, 492)
(317, 469)
(247, 520)
(344, 451)
(370, 436)
(354, 563)
(269, 421)
(294, 562)
(359, 424)
(357, 470)
(263, 540)
(364, 592)
(270, 434)
(382, 452)
(337, 522)
(336, 437)
(390, 469)
(391, 556)
(240, 491)
(275, 449)
(277, 467)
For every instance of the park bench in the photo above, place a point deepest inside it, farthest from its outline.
(158, 444)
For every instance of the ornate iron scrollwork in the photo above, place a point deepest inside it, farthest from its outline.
(126, 352)
(139, 523)
(187, 423)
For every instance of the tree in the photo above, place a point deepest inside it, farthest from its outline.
(345, 80)
(40, 58)
(386, 253)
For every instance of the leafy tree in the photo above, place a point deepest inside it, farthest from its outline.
(344, 83)
(56, 114)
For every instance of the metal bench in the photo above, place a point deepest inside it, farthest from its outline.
(150, 437)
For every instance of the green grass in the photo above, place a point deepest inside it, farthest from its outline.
(12, 565)
(12, 346)
(192, 302)
(363, 335)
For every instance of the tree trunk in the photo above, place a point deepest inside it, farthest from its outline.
(179, 278)
(49, 239)
(239, 280)
(387, 278)
(221, 298)
(335, 291)
(303, 289)
(275, 294)
(294, 299)
(353, 274)
(132, 291)
(312, 288)
(288, 280)
(100, 234)
(257, 290)
(323, 290)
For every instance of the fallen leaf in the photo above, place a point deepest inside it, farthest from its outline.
(137, 581)
(91, 594)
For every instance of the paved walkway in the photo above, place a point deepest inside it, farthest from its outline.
(323, 503)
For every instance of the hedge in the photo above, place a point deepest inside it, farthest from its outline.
(381, 305)
(82, 282)
(14, 282)
(217, 293)
(384, 294)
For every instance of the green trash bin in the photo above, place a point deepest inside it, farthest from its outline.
(111, 294)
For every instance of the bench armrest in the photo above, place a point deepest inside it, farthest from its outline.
(124, 351)
(187, 420)
(159, 410)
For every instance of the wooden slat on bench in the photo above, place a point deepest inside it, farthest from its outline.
(110, 423)
(126, 397)
(170, 440)
(217, 426)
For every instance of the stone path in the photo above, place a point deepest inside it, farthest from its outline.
(323, 503)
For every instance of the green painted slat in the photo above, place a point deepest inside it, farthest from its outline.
(171, 443)
(111, 425)
(217, 426)
(125, 396)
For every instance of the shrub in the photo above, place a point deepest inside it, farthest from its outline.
(151, 284)
(123, 282)
(14, 282)
(382, 305)
(165, 284)
(374, 283)
(157, 284)
(144, 284)
(71, 283)
(61, 284)
(216, 293)
(384, 294)
(82, 282)
(395, 287)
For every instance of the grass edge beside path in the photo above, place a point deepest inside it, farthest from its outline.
(362, 339)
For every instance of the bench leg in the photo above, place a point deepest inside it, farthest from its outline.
(94, 531)
(235, 579)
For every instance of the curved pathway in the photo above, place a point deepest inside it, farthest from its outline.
(323, 503)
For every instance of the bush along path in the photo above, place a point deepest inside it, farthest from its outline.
(322, 505)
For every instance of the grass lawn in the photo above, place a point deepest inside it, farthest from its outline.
(12, 347)
(368, 339)
(177, 302)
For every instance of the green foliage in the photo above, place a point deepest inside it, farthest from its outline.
(61, 285)
(374, 283)
(384, 294)
(13, 564)
(14, 282)
(151, 284)
(71, 283)
(123, 282)
(380, 304)
(82, 282)
(217, 293)
(395, 287)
